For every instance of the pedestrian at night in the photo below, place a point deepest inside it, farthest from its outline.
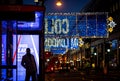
(28, 62)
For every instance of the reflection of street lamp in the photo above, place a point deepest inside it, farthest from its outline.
(59, 3)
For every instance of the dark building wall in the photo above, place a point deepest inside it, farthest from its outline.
(6, 2)
(102, 6)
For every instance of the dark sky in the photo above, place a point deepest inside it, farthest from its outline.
(68, 5)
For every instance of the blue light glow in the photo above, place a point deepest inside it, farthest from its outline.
(80, 24)
(3, 49)
(60, 45)
(21, 42)
(34, 25)
(62, 30)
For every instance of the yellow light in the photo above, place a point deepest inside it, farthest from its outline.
(59, 3)
(110, 19)
(81, 42)
(80, 45)
(93, 65)
(110, 29)
(80, 39)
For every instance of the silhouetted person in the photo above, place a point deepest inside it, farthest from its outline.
(28, 62)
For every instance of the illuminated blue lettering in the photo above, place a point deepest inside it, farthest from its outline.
(65, 22)
(74, 42)
(58, 26)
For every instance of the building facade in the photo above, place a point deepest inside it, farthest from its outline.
(107, 49)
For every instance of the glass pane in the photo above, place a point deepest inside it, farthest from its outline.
(4, 29)
(23, 42)
(3, 74)
(4, 49)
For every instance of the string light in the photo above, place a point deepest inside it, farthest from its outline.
(111, 24)
(81, 42)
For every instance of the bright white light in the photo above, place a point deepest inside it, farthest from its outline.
(112, 24)
(36, 53)
(108, 50)
(56, 62)
(95, 53)
(48, 60)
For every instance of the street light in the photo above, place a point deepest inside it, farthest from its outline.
(108, 50)
(59, 3)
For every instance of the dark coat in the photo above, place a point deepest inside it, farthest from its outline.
(28, 62)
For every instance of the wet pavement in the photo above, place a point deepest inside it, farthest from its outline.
(82, 76)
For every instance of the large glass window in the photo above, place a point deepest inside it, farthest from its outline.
(21, 42)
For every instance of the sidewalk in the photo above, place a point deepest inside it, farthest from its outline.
(100, 76)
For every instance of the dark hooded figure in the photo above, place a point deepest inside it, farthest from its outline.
(28, 62)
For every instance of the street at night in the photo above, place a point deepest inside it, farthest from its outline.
(59, 40)
(81, 76)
